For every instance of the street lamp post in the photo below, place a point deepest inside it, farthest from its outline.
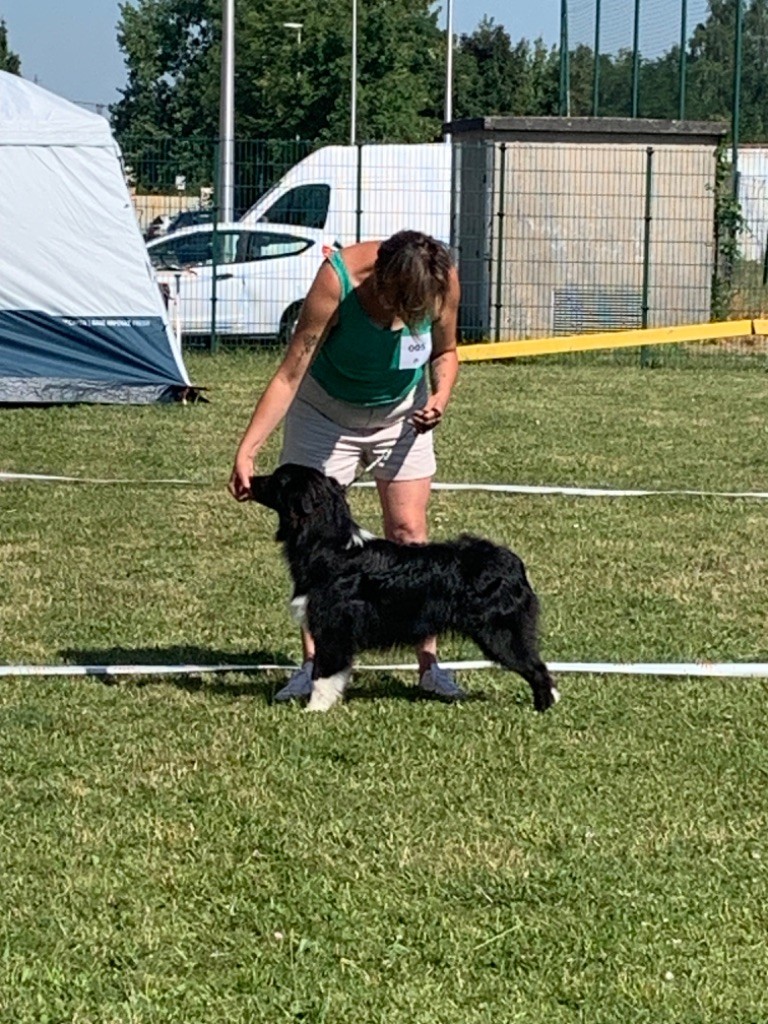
(297, 26)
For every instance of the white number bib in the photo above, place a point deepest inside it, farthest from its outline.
(415, 350)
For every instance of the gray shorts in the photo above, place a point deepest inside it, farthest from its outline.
(340, 438)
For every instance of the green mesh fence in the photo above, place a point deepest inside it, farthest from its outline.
(635, 58)
(552, 238)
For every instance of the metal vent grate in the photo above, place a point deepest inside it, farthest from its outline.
(579, 310)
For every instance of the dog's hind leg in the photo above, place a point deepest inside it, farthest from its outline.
(512, 642)
(526, 663)
(542, 685)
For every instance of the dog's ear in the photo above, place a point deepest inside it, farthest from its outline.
(319, 492)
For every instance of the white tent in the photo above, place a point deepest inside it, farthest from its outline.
(81, 315)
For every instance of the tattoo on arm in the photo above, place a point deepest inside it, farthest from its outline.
(443, 371)
(310, 343)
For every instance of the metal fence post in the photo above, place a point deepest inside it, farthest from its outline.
(736, 111)
(565, 67)
(636, 59)
(644, 356)
(214, 347)
(500, 241)
(359, 193)
(683, 66)
(596, 68)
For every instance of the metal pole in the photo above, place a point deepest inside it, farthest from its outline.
(647, 219)
(565, 70)
(500, 241)
(353, 96)
(227, 113)
(596, 70)
(736, 111)
(683, 57)
(359, 194)
(214, 254)
(448, 69)
(636, 59)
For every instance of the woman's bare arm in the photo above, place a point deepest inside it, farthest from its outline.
(317, 316)
(444, 362)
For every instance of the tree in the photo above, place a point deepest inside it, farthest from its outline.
(710, 67)
(754, 88)
(287, 85)
(172, 88)
(493, 76)
(9, 61)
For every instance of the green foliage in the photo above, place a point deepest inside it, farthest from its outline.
(289, 85)
(9, 61)
(170, 52)
(710, 69)
(709, 62)
(495, 76)
(729, 224)
(297, 85)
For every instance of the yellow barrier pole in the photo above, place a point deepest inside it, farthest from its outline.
(610, 339)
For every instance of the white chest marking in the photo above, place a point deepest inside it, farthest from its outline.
(298, 608)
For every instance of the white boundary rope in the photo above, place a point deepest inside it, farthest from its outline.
(705, 669)
(591, 492)
(46, 478)
(733, 670)
(577, 492)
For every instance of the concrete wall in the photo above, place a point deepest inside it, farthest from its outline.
(552, 234)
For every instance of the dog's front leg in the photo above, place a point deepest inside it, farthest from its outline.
(328, 690)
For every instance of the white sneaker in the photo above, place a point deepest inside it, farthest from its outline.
(298, 687)
(439, 682)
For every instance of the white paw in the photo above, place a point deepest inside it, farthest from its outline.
(322, 701)
(327, 692)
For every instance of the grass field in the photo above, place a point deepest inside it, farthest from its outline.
(179, 851)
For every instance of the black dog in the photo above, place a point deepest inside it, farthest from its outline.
(358, 593)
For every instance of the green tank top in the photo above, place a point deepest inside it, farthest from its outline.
(365, 364)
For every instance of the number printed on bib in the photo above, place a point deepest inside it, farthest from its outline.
(415, 350)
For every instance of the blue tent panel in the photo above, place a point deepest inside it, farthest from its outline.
(46, 358)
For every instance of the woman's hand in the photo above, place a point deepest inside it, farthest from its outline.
(427, 418)
(240, 481)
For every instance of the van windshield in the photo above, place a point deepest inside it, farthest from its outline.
(305, 206)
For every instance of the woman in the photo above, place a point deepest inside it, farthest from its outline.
(353, 390)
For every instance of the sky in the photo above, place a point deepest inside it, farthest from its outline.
(70, 46)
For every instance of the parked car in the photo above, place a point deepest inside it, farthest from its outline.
(260, 275)
(190, 218)
(159, 226)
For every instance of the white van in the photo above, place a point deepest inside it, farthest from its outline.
(356, 193)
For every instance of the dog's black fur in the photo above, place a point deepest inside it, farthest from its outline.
(370, 593)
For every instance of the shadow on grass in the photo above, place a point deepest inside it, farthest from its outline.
(387, 685)
(264, 682)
